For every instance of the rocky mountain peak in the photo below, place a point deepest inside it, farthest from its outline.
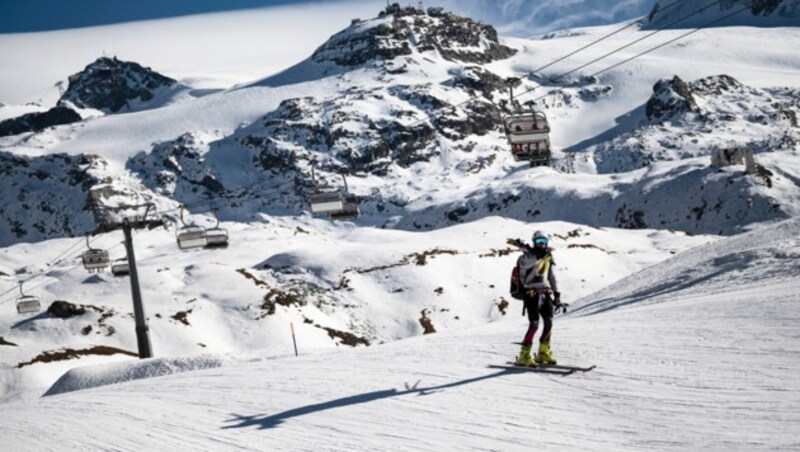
(110, 84)
(397, 30)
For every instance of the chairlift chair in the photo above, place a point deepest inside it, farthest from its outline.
(528, 127)
(190, 236)
(216, 237)
(326, 202)
(528, 134)
(94, 259)
(331, 201)
(120, 267)
(349, 211)
(27, 304)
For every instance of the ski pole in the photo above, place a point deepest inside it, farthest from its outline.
(294, 341)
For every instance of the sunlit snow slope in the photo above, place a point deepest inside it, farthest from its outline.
(695, 352)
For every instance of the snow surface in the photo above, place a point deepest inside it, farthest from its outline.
(699, 351)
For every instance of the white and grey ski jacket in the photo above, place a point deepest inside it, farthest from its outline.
(537, 273)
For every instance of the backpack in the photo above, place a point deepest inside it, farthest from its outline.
(516, 290)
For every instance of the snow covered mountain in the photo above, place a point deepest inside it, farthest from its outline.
(421, 92)
(408, 105)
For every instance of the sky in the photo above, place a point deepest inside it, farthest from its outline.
(518, 17)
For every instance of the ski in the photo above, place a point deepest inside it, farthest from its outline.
(558, 368)
(542, 370)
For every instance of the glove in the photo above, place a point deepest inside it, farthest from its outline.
(514, 242)
(558, 305)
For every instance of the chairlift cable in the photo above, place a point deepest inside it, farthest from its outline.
(663, 44)
(601, 39)
(636, 41)
(435, 114)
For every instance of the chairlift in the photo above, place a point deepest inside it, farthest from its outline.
(332, 202)
(94, 259)
(216, 237)
(326, 202)
(190, 236)
(120, 267)
(349, 212)
(27, 304)
(528, 134)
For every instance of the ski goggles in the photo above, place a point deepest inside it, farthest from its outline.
(540, 241)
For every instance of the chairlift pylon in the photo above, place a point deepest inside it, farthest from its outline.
(94, 260)
(190, 236)
(216, 237)
(528, 134)
(27, 304)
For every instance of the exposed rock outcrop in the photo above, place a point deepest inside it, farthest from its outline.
(35, 122)
(111, 85)
(399, 29)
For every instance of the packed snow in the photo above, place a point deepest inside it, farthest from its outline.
(703, 343)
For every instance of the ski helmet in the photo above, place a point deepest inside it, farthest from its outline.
(540, 238)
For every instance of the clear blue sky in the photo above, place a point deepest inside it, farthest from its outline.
(40, 15)
(524, 18)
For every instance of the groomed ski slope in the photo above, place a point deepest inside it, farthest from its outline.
(701, 351)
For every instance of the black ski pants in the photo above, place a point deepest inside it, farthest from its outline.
(538, 304)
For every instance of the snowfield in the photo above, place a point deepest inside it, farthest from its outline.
(709, 361)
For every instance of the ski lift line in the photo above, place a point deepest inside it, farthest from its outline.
(554, 79)
(663, 44)
(59, 257)
(256, 195)
(66, 272)
(672, 40)
(636, 41)
(60, 275)
(601, 39)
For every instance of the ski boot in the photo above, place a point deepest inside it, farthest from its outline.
(545, 356)
(524, 358)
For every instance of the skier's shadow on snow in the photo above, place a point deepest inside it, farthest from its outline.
(264, 421)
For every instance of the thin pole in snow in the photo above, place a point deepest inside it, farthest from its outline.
(294, 341)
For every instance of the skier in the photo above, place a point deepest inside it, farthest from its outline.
(540, 295)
